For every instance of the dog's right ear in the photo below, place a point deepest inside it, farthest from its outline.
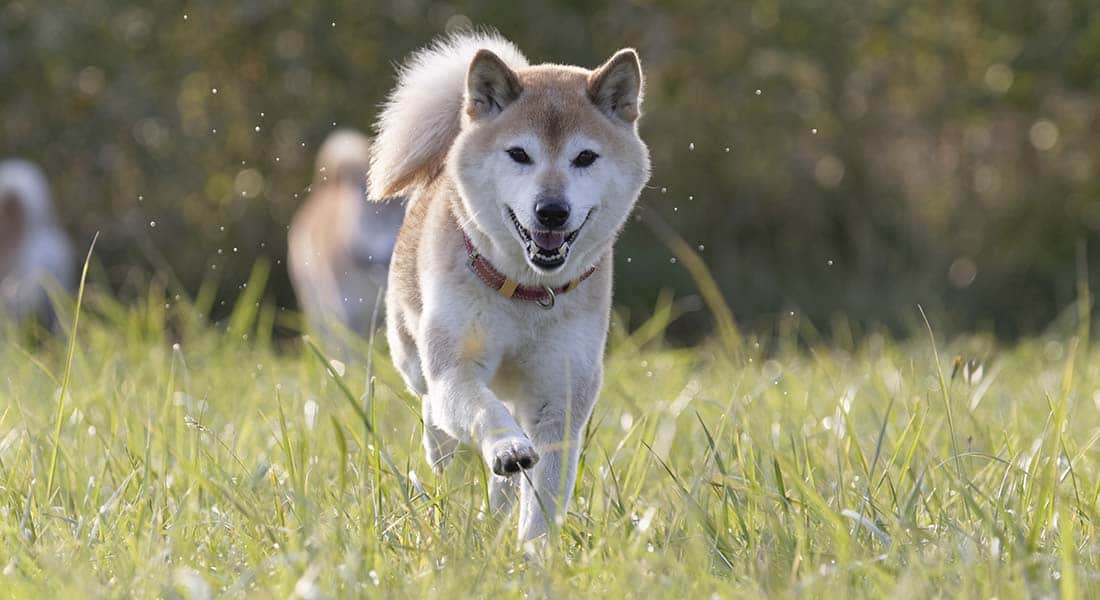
(490, 85)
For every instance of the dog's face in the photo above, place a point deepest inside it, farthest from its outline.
(549, 162)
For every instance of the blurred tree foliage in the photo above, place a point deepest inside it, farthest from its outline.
(827, 158)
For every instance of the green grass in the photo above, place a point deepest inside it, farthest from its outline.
(234, 465)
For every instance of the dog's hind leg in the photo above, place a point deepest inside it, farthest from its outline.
(502, 493)
(439, 447)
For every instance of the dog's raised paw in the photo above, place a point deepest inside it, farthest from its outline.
(511, 455)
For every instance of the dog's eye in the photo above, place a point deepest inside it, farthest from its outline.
(585, 159)
(519, 155)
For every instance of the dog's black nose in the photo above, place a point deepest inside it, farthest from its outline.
(552, 212)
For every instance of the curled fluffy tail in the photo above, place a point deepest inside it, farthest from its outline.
(422, 116)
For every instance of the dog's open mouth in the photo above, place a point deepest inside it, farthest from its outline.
(546, 249)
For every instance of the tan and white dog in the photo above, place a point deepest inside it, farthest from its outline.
(519, 179)
(35, 255)
(339, 244)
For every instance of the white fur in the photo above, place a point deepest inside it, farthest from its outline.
(339, 244)
(421, 117)
(43, 260)
(513, 380)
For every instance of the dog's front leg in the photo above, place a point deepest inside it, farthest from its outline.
(462, 406)
(556, 424)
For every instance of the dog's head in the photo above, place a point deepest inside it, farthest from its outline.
(549, 162)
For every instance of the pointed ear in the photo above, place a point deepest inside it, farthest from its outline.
(490, 85)
(616, 87)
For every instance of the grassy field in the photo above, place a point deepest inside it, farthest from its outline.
(191, 460)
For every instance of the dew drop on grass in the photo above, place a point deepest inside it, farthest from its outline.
(727, 148)
(814, 131)
(663, 190)
(338, 366)
(758, 92)
(829, 262)
(214, 91)
(630, 259)
(701, 247)
(691, 147)
(257, 129)
(152, 224)
(672, 260)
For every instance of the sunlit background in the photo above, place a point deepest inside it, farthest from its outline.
(837, 163)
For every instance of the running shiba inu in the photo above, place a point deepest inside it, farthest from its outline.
(339, 244)
(35, 254)
(519, 178)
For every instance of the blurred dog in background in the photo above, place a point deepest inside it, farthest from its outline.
(35, 255)
(340, 244)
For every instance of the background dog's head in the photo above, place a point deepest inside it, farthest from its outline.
(549, 162)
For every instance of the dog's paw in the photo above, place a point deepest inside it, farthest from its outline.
(511, 455)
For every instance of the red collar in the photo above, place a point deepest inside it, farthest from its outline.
(510, 288)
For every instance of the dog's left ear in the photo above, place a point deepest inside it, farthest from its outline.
(616, 86)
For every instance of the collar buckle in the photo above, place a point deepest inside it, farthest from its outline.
(547, 301)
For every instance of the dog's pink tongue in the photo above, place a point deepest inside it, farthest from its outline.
(548, 240)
